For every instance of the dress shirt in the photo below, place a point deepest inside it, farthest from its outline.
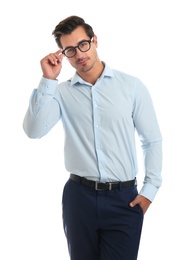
(99, 122)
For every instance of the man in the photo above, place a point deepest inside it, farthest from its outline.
(100, 108)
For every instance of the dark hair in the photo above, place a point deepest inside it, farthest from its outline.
(68, 25)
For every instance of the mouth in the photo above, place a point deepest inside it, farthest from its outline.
(81, 61)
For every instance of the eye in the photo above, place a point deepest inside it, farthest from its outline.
(82, 44)
(69, 50)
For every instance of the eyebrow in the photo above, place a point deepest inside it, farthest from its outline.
(77, 44)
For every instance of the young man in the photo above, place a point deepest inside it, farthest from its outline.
(101, 108)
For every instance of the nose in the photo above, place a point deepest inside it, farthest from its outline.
(78, 53)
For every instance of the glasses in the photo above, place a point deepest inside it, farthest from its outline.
(83, 46)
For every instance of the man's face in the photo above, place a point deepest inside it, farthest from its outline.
(82, 61)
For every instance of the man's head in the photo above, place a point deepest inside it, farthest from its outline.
(78, 43)
(68, 25)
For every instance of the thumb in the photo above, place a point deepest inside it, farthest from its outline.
(134, 202)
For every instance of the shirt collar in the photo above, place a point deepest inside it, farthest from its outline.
(76, 79)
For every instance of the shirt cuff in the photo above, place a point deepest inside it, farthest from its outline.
(149, 191)
(47, 86)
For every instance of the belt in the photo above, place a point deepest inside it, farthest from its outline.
(96, 185)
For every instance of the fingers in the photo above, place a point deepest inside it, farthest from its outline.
(53, 58)
(51, 64)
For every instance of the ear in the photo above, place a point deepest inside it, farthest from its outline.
(95, 41)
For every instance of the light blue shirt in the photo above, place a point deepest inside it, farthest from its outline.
(100, 122)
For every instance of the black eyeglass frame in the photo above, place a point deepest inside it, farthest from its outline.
(78, 46)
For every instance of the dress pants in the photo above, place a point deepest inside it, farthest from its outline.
(100, 225)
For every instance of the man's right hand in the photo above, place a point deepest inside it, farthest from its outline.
(51, 65)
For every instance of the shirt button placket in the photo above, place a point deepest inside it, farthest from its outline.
(97, 130)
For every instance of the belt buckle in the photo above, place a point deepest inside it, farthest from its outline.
(109, 185)
(96, 185)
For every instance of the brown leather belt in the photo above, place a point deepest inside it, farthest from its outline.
(103, 185)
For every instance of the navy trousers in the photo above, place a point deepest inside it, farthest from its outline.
(100, 225)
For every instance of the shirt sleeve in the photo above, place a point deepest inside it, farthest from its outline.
(148, 130)
(43, 111)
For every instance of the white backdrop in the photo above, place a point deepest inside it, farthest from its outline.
(157, 42)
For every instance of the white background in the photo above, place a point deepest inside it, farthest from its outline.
(156, 41)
